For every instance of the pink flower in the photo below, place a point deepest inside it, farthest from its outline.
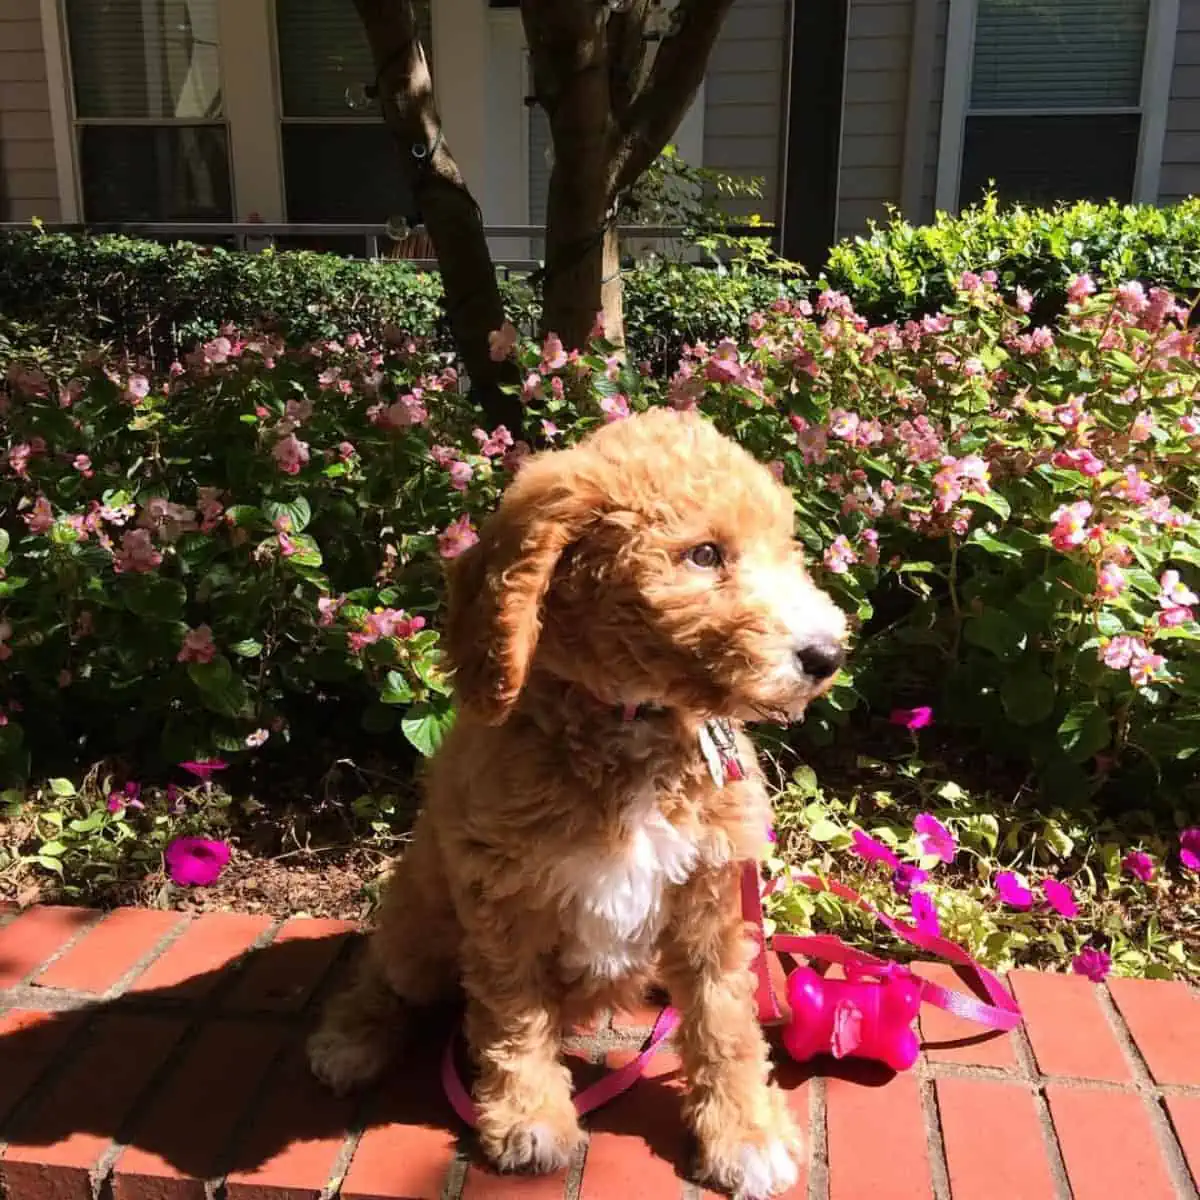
(407, 411)
(1142, 427)
(41, 518)
(1144, 668)
(934, 838)
(1092, 963)
(328, 608)
(840, 555)
(501, 342)
(290, 454)
(554, 356)
(257, 738)
(1110, 581)
(128, 797)
(195, 862)
(298, 411)
(460, 475)
(458, 536)
(137, 553)
(1174, 592)
(868, 848)
(82, 464)
(1133, 486)
(615, 408)
(204, 768)
(1024, 300)
(495, 443)
(1060, 898)
(1132, 298)
(924, 914)
(1081, 287)
(549, 430)
(389, 623)
(906, 877)
(912, 718)
(1189, 848)
(1012, 891)
(197, 646)
(1079, 459)
(968, 281)
(1139, 864)
(138, 388)
(218, 350)
(1070, 525)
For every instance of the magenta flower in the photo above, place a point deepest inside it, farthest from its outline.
(1013, 892)
(204, 768)
(906, 877)
(924, 914)
(1060, 898)
(935, 838)
(1189, 848)
(1140, 864)
(129, 797)
(868, 848)
(912, 718)
(1092, 963)
(196, 862)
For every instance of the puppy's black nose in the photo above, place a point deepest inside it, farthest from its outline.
(820, 660)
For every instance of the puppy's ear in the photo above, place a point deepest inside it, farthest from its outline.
(496, 588)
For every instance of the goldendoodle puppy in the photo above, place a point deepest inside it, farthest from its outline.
(632, 599)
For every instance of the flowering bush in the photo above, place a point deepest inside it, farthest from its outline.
(243, 552)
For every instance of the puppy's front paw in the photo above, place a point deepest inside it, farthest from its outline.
(343, 1061)
(754, 1164)
(538, 1144)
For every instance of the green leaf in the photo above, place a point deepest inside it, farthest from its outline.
(426, 725)
(222, 691)
(396, 689)
(1084, 731)
(992, 500)
(297, 511)
(211, 676)
(824, 830)
(155, 597)
(88, 824)
(993, 545)
(1057, 839)
(62, 787)
(52, 849)
(306, 553)
(248, 648)
(996, 631)
(1028, 696)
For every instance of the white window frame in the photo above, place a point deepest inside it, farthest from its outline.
(1157, 65)
(251, 108)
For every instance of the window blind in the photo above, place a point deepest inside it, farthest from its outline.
(1058, 54)
(323, 50)
(145, 59)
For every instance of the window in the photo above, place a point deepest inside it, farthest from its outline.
(1059, 100)
(339, 164)
(152, 141)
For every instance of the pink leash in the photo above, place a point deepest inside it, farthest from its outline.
(1002, 1013)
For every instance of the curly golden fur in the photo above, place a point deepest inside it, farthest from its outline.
(567, 856)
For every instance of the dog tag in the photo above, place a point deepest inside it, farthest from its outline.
(719, 748)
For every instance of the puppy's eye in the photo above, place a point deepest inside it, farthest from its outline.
(706, 556)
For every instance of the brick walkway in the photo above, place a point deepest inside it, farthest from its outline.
(148, 1056)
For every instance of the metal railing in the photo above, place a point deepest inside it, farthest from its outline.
(375, 241)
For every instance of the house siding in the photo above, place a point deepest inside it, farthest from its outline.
(743, 100)
(1181, 145)
(28, 176)
(878, 51)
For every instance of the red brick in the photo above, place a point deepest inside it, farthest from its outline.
(485, 1184)
(1185, 1116)
(947, 1038)
(109, 950)
(34, 936)
(193, 964)
(638, 1143)
(409, 1144)
(54, 1148)
(283, 975)
(896, 1168)
(1164, 1018)
(1108, 1144)
(178, 1143)
(29, 1042)
(294, 1140)
(1067, 1027)
(795, 1080)
(993, 1137)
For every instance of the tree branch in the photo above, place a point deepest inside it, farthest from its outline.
(663, 100)
(448, 209)
(626, 55)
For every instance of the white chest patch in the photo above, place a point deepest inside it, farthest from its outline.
(613, 904)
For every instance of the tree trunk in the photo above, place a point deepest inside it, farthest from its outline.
(448, 209)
